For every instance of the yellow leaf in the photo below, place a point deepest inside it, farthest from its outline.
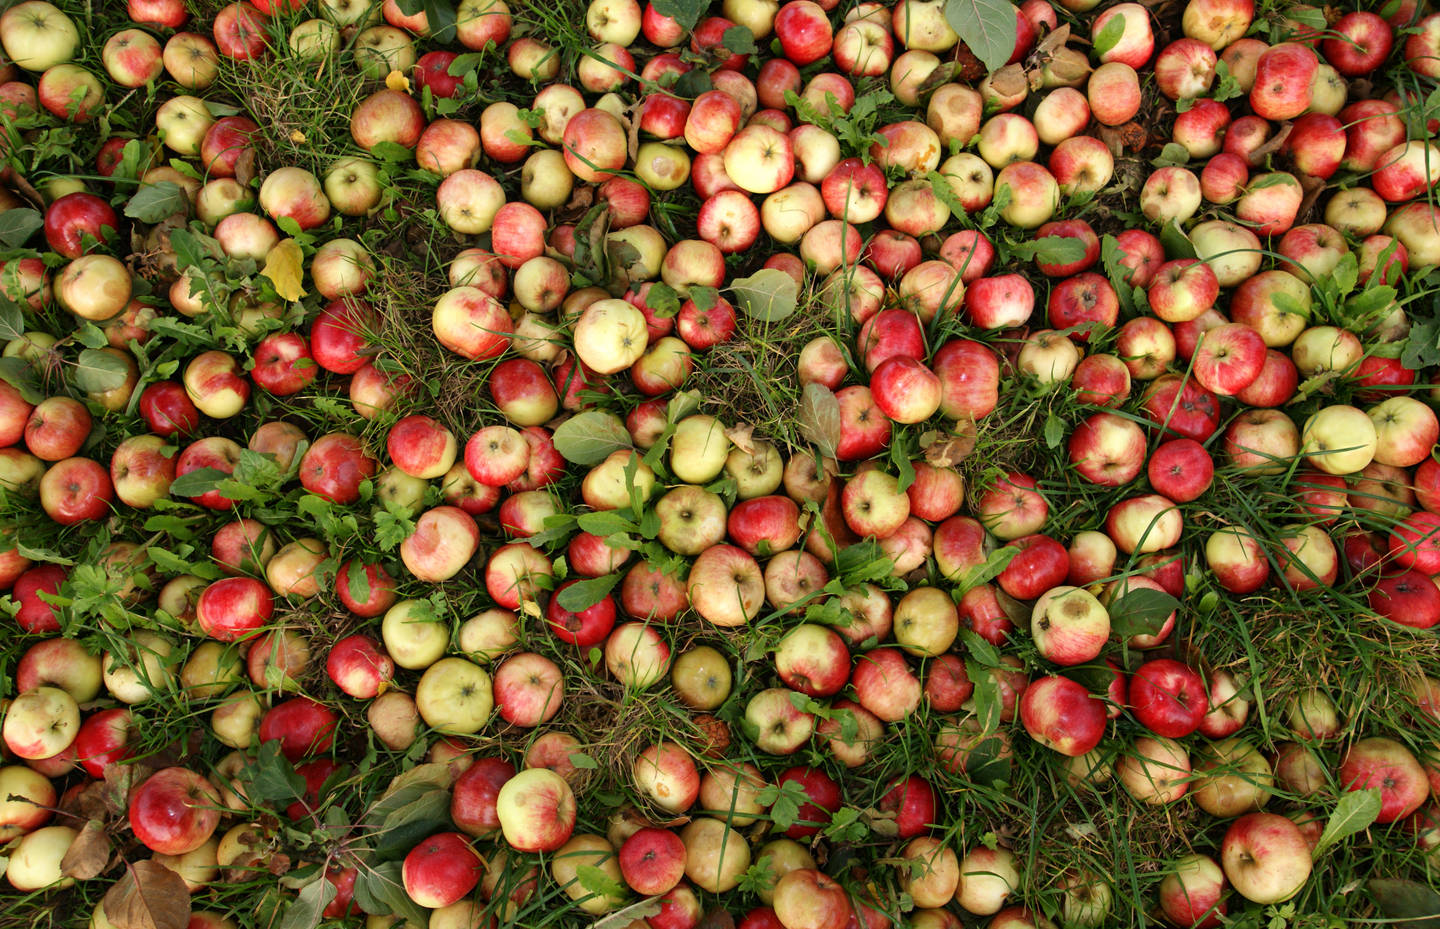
(285, 266)
(297, 136)
(396, 80)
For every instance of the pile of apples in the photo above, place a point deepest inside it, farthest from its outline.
(182, 537)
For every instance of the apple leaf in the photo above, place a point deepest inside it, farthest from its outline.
(271, 778)
(819, 418)
(994, 563)
(154, 202)
(588, 438)
(584, 594)
(88, 854)
(380, 891)
(628, 916)
(1354, 812)
(685, 12)
(416, 805)
(148, 896)
(662, 299)
(309, 904)
(600, 884)
(768, 295)
(16, 226)
(739, 40)
(1109, 35)
(1172, 155)
(97, 371)
(1141, 611)
(1177, 243)
(1051, 249)
(197, 482)
(285, 267)
(1412, 903)
(986, 26)
(12, 317)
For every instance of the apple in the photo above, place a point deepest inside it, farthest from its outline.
(1265, 857)
(1155, 771)
(174, 811)
(1388, 766)
(1193, 892)
(455, 696)
(41, 723)
(1168, 698)
(441, 870)
(37, 36)
(1061, 714)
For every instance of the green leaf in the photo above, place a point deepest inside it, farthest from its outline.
(91, 336)
(309, 904)
(994, 563)
(819, 418)
(16, 226)
(1173, 154)
(12, 319)
(440, 14)
(685, 12)
(663, 300)
(1141, 611)
(1354, 812)
(739, 40)
(605, 523)
(987, 26)
(1109, 36)
(590, 437)
(271, 778)
(154, 202)
(584, 594)
(18, 373)
(198, 482)
(357, 581)
(391, 152)
(986, 695)
(380, 891)
(1176, 242)
(1409, 903)
(599, 883)
(584, 762)
(97, 371)
(1051, 249)
(1054, 430)
(768, 295)
(416, 805)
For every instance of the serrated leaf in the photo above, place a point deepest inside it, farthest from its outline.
(1054, 430)
(739, 40)
(271, 778)
(584, 594)
(605, 523)
(1177, 243)
(154, 202)
(99, 371)
(987, 571)
(1354, 812)
(819, 418)
(599, 883)
(197, 482)
(768, 295)
(986, 695)
(663, 300)
(309, 904)
(589, 437)
(1141, 611)
(18, 374)
(1052, 249)
(685, 12)
(986, 26)
(17, 226)
(12, 319)
(285, 267)
(380, 891)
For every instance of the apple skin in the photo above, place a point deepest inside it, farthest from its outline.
(441, 870)
(1386, 764)
(302, 726)
(536, 810)
(1265, 857)
(1168, 698)
(1062, 715)
(174, 811)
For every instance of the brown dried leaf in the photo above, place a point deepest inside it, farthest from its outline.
(742, 436)
(1054, 41)
(581, 198)
(946, 451)
(1010, 81)
(88, 854)
(148, 896)
(716, 918)
(245, 167)
(278, 864)
(1271, 145)
(1313, 187)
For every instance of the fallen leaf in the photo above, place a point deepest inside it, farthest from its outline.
(742, 437)
(1009, 81)
(285, 267)
(1055, 40)
(948, 450)
(148, 896)
(245, 167)
(88, 854)
(396, 80)
(1271, 145)
(297, 136)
